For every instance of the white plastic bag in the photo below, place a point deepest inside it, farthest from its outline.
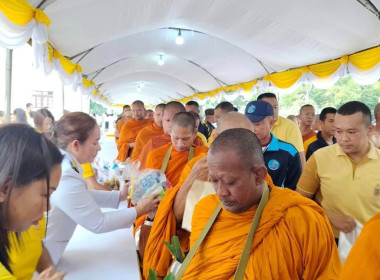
(347, 240)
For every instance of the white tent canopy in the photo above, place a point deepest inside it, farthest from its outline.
(227, 42)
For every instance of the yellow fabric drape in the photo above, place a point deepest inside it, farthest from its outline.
(20, 12)
(284, 79)
(366, 60)
(87, 83)
(245, 86)
(67, 65)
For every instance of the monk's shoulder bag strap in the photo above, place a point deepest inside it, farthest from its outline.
(166, 159)
(240, 271)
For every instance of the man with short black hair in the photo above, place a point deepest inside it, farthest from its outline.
(344, 178)
(284, 129)
(29, 114)
(222, 108)
(209, 120)
(281, 158)
(193, 106)
(325, 136)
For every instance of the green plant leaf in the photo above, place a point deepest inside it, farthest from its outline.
(169, 277)
(152, 275)
(177, 249)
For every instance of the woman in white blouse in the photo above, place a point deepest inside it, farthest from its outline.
(77, 134)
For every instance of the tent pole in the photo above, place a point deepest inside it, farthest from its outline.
(8, 84)
(63, 99)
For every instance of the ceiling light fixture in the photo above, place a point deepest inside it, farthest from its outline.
(179, 40)
(161, 60)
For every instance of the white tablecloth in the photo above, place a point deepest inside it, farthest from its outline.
(109, 255)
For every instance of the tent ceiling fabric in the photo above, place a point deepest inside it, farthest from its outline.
(232, 41)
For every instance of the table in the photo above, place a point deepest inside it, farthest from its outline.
(110, 255)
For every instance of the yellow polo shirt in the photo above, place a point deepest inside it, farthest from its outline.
(211, 138)
(25, 254)
(203, 138)
(87, 170)
(5, 274)
(287, 130)
(341, 185)
(307, 143)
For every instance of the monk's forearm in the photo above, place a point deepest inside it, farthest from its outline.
(131, 145)
(180, 200)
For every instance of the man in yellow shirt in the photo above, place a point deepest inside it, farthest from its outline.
(284, 129)
(345, 177)
(220, 109)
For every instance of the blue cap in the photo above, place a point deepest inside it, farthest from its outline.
(257, 110)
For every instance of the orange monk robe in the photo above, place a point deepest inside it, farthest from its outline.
(363, 260)
(148, 132)
(128, 135)
(158, 142)
(157, 256)
(294, 240)
(176, 163)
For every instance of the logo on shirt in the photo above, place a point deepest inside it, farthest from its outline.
(377, 190)
(273, 164)
(251, 109)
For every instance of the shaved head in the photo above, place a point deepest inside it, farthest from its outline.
(157, 116)
(242, 142)
(183, 131)
(174, 105)
(169, 111)
(138, 102)
(184, 120)
(233, 120)
(236, 169)
(138, 110)
(196, 117)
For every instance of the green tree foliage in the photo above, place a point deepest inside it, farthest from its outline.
(343, 91)
(96, 108)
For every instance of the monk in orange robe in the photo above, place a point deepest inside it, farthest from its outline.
(171, 109)
(130, 130)
(168, 219)
(363, 260)
(148, 132)
(182, 133)
(180, 149)
(126, 115)
(293, 240)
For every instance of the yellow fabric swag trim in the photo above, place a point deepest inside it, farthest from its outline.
(20, 12)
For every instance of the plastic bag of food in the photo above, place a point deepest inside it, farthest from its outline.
(147, 182)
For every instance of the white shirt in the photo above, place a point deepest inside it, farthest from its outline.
(73, 203)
